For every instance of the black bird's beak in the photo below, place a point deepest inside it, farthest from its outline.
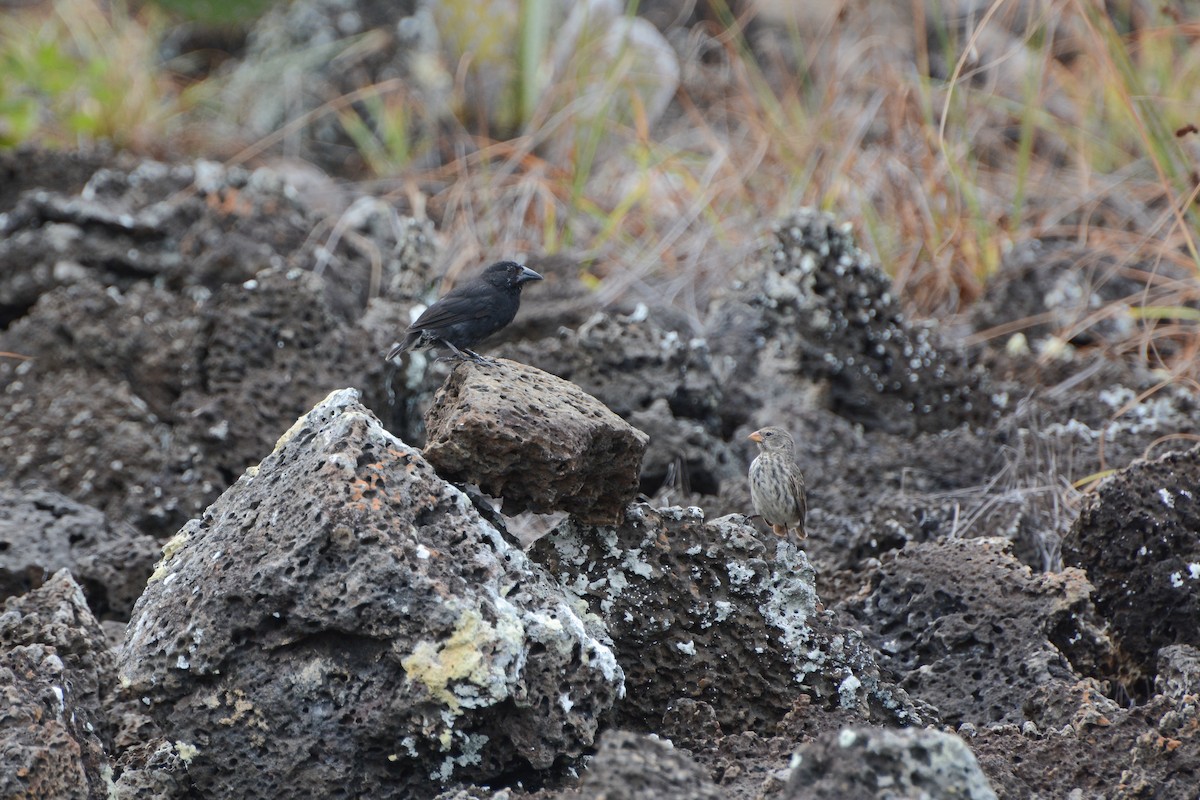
(528, 275)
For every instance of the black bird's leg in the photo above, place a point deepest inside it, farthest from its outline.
(478, 359)
(466, 355)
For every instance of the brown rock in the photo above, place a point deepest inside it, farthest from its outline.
(538, 441)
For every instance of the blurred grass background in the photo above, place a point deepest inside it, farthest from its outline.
(946, 132)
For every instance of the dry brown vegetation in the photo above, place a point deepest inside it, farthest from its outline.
(944, 136)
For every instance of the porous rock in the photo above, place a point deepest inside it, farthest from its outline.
(152, 770)
(56, 675)
(972, 631)
(165, 400)
(1136, 538)
(341, 610)
(1149, 750)
(812, 307)
(1178, 672)
(535, 440)
(1057, 287)
(633, 766)
(650, 374)
(706, 611)
(859, 763)
(42, 532)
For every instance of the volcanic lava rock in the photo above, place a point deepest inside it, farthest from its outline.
(1136, 537)
(886, 762)
(538, 441)
(152, 770)
(650, 375)
(42, 532)
(633, 766)
(812, 307)
(341, 610)
(1149, 750)
(56, 677)
(706, 611)
(972, 631)
(1081, 294)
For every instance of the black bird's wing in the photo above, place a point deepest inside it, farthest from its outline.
(473, 300)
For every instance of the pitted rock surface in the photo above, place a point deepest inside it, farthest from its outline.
(27, 167)
(538, 441)
(152, 770)
(341, 610)
(705, 611)
(43, 531)
(57, 677)
(1055, 287)
(887, 763)
(633, 766)
(651, 374)
(1178, 672)
(814, 306)
(192, 228)
(1136, 537)
(972, 631)
(1146, 751)
(180, 396)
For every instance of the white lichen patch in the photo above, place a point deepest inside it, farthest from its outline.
(848, 692)
(1167, 498)
(634, 563)
(687, 648)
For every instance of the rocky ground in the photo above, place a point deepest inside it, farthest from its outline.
(245, 557)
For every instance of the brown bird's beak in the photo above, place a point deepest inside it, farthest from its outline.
(528, 275)
(755, 437)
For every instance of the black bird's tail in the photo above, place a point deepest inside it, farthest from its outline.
(406, 345)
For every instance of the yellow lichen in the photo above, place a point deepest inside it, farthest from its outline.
(169, 550)
(437, 665)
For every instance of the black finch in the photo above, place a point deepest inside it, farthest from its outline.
(776, 483)
(470, 312)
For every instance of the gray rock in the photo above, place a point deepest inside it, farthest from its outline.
(42, 532)
(340, 610)
(1136, 538)
(705, 611)
(972, 631)
(863, 763)
(633, 766)
(56, 678)
(538, 441)
(815, 306)
(1178, 672)
(152, 770)
(1058, 287)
